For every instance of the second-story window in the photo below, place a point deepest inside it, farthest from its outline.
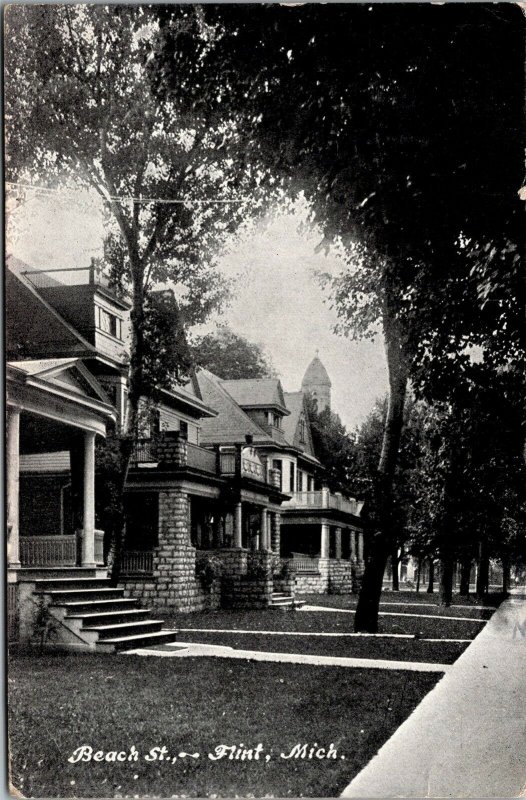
(292, 478)
(108, 323)
(183, 428)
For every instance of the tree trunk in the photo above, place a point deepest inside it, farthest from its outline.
(394, 567)
(465, 574)
(483, 571)
(447, 569)
(431, 579)
(419, 574)
(366, 617)
(505, 576)
(131, 415)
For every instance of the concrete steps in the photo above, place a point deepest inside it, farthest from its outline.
(93, 615)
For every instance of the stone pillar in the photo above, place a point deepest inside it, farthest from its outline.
(324, 541)
(13, 486)
(352, 554)
(263, 542)
(325, 497)
(88, 530)
(338, 543)
(276, 533)
(238, 525)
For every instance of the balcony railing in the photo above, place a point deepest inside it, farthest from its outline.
(48, 551)
(68, 276)
(137, 562)
(324, 499)
(144, 452)
(200, 458)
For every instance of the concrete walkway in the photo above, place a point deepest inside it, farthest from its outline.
(393, 614)
(333, 634)
(467, 738)
(191, 650)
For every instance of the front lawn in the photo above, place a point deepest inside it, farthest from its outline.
(348, 647)
(405, 603)
(329, 621)
(59, 702)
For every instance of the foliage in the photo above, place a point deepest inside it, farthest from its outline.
(336, 450)
(45, 625)
(231, 356)
(208, 569)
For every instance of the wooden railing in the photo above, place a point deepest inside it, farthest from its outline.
(306, 500)
(135, 562)
(345, 504)
(303, 563)
(48, 551)
(144, 452)
(200, 458)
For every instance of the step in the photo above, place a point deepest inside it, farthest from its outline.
(110, 617)
(124, 629)
(282, 603)
(93, 606)
(66, 584)
(280, 595)
(134, 642)
(61, 596)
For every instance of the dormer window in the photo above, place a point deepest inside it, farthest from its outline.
(274, 419)
(108, 323)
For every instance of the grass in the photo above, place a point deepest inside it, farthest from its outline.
(390, 649)
(60, 702)
(398, 601)
(304, 621)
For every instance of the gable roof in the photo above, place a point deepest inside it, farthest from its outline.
(291, 425)
(32, 324)
(69, 374)
(231, 425)
(257, 393)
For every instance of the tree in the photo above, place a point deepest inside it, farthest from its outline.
(81, 109)
(231, 356)
(336, 450)
(338, 102)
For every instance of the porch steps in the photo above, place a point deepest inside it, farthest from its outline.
(285, 601)
(94, 615)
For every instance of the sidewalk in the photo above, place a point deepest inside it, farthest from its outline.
(467, 738)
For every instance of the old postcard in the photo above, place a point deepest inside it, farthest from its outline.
(265, 437)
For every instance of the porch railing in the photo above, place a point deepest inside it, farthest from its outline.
(135, 562)
(48, 551)
(304, 563)
(200, 458)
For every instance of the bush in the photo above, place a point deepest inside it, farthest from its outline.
(208, 569)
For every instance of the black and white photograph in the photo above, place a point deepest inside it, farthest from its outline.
(265, 359)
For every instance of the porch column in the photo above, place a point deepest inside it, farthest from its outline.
(359, 546)
(13, 483)
(276, 533)
(324, 543)
(88, 532)
(352, 555)
(338, 543)
(263, 542)
(238, 525)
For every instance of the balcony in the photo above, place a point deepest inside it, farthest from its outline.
(71, 276)
(323, 499)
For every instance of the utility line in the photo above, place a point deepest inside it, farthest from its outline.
(121, 199)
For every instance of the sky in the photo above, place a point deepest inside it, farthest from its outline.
(278, 303)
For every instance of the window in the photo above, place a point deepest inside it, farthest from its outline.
(274, 419)
(108, 323)
(303, 430)
(300, 480)
(292, 477)
(183, 428)
(277, 464)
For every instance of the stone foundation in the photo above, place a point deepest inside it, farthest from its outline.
(247, 579)
(314, 582)
(341, 577)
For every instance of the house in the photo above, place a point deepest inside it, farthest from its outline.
(225, 501)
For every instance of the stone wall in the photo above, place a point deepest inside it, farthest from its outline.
(171, 449)
(247, 579)
(314, 582)
(341, 578)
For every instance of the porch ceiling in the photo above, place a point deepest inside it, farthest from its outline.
(44, 435)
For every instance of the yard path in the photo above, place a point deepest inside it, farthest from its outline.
(320, 633)
(191, 650)
(393, 614)
(466, 738)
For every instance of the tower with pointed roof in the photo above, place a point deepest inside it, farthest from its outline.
(317, 383)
